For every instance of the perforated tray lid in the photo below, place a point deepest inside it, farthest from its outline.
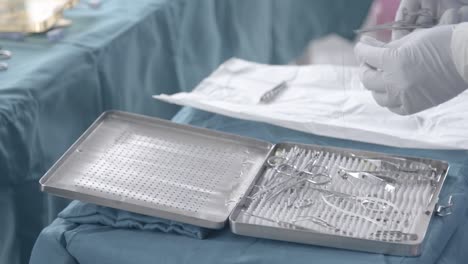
(158, 168)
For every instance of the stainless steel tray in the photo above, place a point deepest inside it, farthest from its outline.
(158, 168)
(258, 225)
(202, 177)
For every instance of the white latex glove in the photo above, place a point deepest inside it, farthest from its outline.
(413, 73)
(454, 16)
(427, 11)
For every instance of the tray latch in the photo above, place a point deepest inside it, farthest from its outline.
(444, 210)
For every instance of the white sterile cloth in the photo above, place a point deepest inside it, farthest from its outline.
(326, 100)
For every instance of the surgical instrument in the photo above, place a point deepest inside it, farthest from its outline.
(272, 94)
(318, 221)
(3, 66)
(269, 96)
(308, 178)
(393, 26)
(369, 177)
(403, 24)
(278, 222)
(274, 161)
(300, 176)
(369, 203)
(297, 177)
(5, 54)
(397, 164)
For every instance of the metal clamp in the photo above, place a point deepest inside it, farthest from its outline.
(444, 210)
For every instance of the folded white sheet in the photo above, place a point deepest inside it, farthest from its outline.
(324, 100)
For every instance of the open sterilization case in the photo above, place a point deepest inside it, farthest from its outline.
(317, 195)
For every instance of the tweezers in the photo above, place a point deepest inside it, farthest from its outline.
(393, 26)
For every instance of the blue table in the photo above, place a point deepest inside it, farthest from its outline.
(116, 57)
(69, 242)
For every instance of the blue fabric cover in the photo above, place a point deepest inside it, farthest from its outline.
(445, 243)
(116, 57)
(85, 213)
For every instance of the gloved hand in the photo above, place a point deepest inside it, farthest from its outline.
(454, 16)
(427, 11)
(413, 73)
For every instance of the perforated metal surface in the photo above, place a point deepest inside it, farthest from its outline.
(157, 171)
(159, 166)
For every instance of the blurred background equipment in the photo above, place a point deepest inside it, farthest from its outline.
(32, 16)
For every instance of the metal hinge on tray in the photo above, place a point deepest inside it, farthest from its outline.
(444, 210)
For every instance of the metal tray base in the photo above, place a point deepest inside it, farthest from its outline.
(271, 218)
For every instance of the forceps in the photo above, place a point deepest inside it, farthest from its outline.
(402, 24)
(397, 25)
(396, 164)
(313, 219)
(278, 222)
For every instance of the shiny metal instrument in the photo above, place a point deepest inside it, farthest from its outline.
(403, 24)
(32, 16)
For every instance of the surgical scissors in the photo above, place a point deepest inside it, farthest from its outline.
(321, 176)
(281, 166)
(297, 177)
